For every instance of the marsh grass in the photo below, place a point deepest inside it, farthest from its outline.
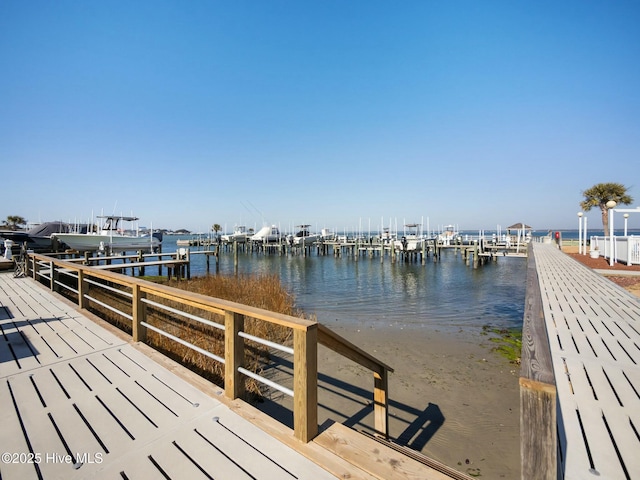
(264, 292)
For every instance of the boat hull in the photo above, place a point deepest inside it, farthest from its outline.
(409, 244)
(115, 243)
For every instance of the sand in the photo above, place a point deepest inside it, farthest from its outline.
(451, 397)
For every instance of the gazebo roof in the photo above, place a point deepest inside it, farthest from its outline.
(519, 226)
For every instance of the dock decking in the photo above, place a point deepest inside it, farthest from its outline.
(79, 402)
(593, 328)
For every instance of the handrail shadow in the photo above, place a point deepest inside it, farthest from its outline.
(356, 407)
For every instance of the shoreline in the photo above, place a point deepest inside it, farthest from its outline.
(450, 396)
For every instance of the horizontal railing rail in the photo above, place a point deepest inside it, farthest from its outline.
(131, 299)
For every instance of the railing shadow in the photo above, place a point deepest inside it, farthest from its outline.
(15, 346)
(352, 405)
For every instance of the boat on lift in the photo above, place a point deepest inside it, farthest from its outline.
(303, 236)
(110, 237)
(411, 241)
(240, 235)
(449, 235)
(267, 235)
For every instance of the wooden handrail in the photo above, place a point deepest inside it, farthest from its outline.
(306, 336)
(538, 439)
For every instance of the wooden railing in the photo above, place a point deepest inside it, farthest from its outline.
(137, 295)
(538, 430)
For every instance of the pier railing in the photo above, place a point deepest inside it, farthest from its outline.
(623, 249)
(538, 426)
(133, 298)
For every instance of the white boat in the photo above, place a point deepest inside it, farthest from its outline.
(110, 238)
(240, 235)
(449, 235)
(267, 235)
(327, 234)
(303, 236)
(411, 241)
(386, 237)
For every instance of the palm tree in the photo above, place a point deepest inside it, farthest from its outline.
(13, 221)
(216, 228)
(600, 194)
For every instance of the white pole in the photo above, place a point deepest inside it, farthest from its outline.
(611, 205)
(584, 250)
(611, 237)
(626, 217)
(579, 232)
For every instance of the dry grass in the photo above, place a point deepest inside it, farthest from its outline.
(264, 292)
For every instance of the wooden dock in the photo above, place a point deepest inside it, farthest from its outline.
(80, 402)
(80, 399)
(581, 349)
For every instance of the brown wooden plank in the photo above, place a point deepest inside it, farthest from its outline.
(373, 457)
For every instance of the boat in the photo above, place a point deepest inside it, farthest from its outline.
(386, 237)
(327, 235)
(303, 236)
(411, 241)
(38, 238)
(240, 235)
(110, 238)
(449, 235)
(267, 235)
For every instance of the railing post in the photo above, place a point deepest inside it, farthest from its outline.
(305, 383)
(35, 268)
(83, 287)
(381, 402)
(52, 276)
(233, 354)
(139, 332)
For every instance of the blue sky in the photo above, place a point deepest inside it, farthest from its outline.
(332, 113)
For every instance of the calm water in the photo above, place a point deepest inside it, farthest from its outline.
(448, 295)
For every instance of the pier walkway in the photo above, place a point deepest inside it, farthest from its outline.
(593, 329)
(80, 402)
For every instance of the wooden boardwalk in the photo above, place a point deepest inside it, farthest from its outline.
(79, 402)
(593, 328)
(79, 399)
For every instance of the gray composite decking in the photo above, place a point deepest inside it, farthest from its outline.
(76, 401)
(594, 334)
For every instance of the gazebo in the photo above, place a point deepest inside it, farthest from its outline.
(519, 227)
